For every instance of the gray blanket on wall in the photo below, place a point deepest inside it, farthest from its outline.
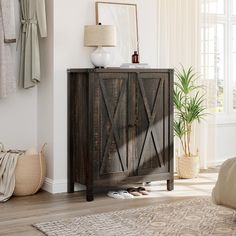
(8, 161)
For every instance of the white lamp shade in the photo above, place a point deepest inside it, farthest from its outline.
(100, 35)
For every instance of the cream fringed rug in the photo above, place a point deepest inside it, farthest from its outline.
(197, 217)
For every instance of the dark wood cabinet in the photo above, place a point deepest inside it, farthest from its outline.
(119, 127)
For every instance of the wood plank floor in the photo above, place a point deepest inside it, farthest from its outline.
(18, 214)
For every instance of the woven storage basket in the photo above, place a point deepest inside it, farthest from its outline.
(30, 174)
(188, 167)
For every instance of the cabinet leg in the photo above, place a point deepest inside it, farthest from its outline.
(71, 182)
(89, 194)
(70, 187)
(170, 184)
(70, 174)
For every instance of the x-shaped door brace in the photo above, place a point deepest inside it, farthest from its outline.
(151, 114)
(113, 119)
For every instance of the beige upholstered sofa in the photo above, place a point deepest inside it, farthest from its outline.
(224, 192)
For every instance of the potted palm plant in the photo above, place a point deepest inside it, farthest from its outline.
(189, 108)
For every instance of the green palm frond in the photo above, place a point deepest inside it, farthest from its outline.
(186, 80)
(178, 99)
(194, 108)
(179, 129)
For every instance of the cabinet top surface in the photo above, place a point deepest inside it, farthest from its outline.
(117, 70)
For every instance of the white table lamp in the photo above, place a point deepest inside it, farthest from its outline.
(100, 36)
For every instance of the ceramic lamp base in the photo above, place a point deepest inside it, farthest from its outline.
(101, 58)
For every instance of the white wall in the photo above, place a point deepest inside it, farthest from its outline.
(18, 120)
(68, 52)
(18, 113)
(45, 92)
(69, 20)
(225, 142)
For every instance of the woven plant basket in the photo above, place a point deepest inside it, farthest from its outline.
(30, 174)
(188, 167)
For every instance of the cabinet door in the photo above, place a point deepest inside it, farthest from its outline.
(153, 110)
(110, 125)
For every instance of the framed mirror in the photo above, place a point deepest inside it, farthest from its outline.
(124, 17)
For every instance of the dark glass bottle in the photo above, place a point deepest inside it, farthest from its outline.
(135, 57)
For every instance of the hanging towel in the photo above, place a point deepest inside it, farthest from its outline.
(7, 51)
(33, 18)
(8, 163)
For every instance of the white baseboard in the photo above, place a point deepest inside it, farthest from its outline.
(59, 186)
(55, 186)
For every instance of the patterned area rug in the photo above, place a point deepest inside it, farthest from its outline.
(196, 217)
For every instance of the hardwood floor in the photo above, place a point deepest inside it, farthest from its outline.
(18, 214)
